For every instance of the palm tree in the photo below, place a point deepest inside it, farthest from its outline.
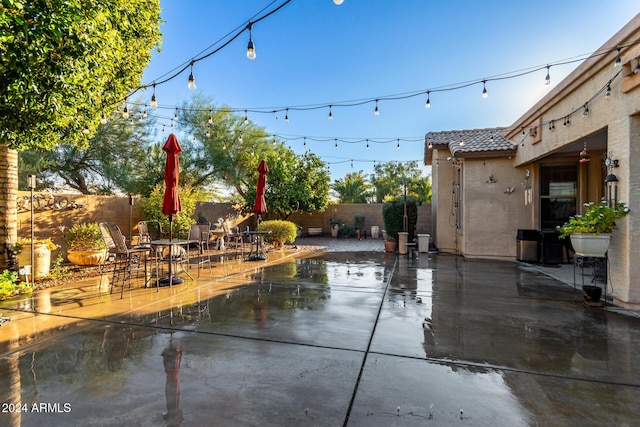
(353, 188)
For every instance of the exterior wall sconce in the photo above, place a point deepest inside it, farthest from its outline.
(611, 181)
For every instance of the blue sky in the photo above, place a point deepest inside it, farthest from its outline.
(312, 52)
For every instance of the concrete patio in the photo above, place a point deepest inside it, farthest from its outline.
(329, 332)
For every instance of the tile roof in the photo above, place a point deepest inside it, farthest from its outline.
(470, 143)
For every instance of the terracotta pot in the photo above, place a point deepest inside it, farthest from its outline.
(390, 246)
(86, 257)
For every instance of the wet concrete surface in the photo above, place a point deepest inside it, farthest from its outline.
(327, 339)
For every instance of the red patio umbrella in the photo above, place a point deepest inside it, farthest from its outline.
(260, 205)
(171, 202)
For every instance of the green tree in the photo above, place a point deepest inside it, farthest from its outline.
(354, 188)
(63, 63)
(295, 183)
(111, 161)
(389, 179)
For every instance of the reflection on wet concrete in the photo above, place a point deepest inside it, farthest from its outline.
(456, 341)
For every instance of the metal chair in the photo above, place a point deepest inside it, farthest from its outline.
(200, 233)
(233, 236)
(123, 258)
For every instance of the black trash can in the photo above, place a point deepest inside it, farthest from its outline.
(550, 247)
(527, 249)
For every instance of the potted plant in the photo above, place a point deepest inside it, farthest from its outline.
(281, 232)
(359, 225)
(334, 224)
(590, 233)
(41, 255)
(393, 213)
(85, 245)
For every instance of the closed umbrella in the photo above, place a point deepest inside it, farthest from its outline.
(260, 205)
(171, 202)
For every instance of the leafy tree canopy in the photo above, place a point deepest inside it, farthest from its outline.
(354, 188)
(66, 61)
(389, 180)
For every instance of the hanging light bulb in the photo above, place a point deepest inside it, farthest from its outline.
(367, 144)
(273, 142)
(484, 89)
(336, 145)
(144, 113)
(240, 139)
(547, 79)
(430, 146)
(608, 92)
(125, 112)
(224, 145)
(304, 144)
(210, 121)
(552, 125)
(428, 103)
(337, 2)
(376, 111)
(330, 113)
(172, 126)
(637, 69)
(398, 146)
(461, 143)
(585, 113)
(251, 49)
(246, 119)
(618, 61)
(286, 116)
(140, 116)
(154, 101)
(103, 119)
(351, 163)
(162, 128)
(175, 116)
(208, 131)
(192, 80)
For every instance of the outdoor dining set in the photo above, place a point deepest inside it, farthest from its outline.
(154, 250)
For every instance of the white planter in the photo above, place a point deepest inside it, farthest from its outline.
(375, 231)
(314, 231)
(588, 244)
(423, 242)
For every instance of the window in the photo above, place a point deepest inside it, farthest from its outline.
(558, 194)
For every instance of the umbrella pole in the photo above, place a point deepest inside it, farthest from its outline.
(170, 250)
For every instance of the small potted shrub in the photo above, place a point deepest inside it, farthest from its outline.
(85, 245)
(281, 232)
(591, 233)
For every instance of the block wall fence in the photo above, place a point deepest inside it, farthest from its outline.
(47, 222)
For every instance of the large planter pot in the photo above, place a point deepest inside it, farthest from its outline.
(591, 245)
(314, 231)
(375, 232)
(86, 257)
(390, 246)
(41, 259)
(334, 231)
(403, 239)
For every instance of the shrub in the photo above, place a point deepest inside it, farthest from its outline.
(8, 286)
(151, 209)
(84, 237)
(393, 214)
(281, 231)
(345, 230)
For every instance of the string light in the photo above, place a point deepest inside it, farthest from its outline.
(154, 101)
(398, 146)
(484, 89)
(330, 113)
(246, 119)
(305, 142)
(585, 113)
(376, 112)
(125, 112)
(224, 145)
(337, 2)
(428, 103)
(618, 61)
(240, 139)
(552, 125)
(367, 144)
(251, 49)
(144, 113)
(192, 81)
(208, 132)
(175, 116)
(608, 92)
(336, 145)
(547, 79)
(103, 119)
(286, 116)
(210, 121)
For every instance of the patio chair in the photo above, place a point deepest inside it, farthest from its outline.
(232, 235)
(200, 233)
(148, 231)
(123, 259)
